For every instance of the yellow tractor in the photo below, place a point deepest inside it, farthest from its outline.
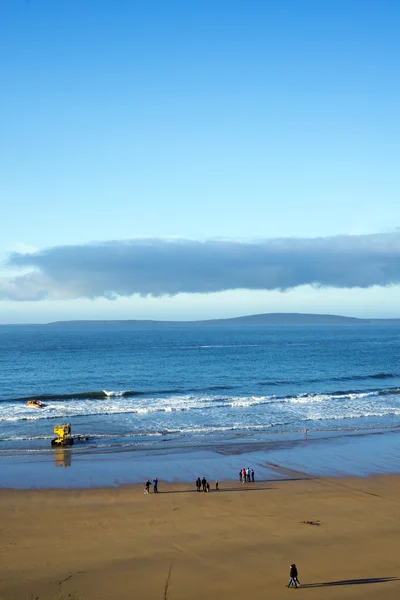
(64, 435)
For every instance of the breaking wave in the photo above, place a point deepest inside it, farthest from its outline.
(133, 403)
(105, 394)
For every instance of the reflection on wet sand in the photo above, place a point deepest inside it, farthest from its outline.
(62, 457)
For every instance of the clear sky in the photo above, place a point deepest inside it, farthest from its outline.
(127, 126)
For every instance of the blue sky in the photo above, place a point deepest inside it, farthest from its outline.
(262, 123)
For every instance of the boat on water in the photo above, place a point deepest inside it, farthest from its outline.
(36, 404)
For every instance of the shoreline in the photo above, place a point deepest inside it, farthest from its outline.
(365, 453)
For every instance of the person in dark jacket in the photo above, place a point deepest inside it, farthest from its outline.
(204, 484)
(198, 484)
(293, 576)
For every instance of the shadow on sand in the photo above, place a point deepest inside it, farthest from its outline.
(241, 486)
(222, 490)
(350, 582)
(279, 479)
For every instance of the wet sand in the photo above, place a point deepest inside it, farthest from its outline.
(340, 454)
(117, 543)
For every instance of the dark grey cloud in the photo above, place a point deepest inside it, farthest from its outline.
(160, 267)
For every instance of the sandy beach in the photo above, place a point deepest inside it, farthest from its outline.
(180, 545)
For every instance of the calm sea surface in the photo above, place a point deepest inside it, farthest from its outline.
(142, 388)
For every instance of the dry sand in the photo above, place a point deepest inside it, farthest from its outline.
(237, 543)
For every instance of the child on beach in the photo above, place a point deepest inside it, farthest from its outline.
(147, 487)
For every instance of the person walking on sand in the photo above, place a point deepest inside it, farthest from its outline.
(294, 577)
(147, 486)
(243, 475)
(208, 486)
(198, 484)
(155, 485)
(217, 486)
(204, 484)
(252, 475)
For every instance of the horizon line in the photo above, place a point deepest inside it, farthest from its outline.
(209, 320)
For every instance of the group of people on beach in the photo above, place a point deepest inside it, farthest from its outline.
(246, 475)
(148, 484)
(203, 484)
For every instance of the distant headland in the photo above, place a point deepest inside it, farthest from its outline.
(262, 320)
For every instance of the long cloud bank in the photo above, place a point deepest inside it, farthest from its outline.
(160, 267)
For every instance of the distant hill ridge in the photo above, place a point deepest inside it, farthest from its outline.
(262, 320)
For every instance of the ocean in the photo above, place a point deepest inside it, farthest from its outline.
(181, 398)
(186, 388)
